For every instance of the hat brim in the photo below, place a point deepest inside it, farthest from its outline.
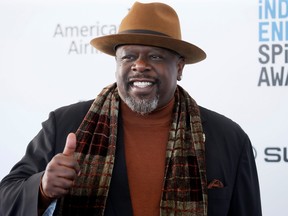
(190, 52)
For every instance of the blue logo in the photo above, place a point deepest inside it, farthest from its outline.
(273, 39)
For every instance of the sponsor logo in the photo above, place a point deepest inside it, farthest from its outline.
(254, 152)
(273, 40)
(79, 36)
(273, 154)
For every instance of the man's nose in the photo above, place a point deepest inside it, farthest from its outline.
(141, 65)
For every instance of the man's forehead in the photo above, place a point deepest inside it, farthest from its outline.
(137, 47)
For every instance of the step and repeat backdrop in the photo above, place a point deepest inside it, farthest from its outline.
(46, 62)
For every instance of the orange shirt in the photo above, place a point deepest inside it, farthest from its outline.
(145, 140)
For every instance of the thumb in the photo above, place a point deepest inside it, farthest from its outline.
(70, 145)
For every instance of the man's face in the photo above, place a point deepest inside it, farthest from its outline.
(147, 76)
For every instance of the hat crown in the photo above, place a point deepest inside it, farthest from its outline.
(158, 18)
(150, 24)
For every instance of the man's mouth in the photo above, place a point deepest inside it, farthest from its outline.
(142, 84)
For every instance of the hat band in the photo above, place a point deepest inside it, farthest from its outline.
(142, 31)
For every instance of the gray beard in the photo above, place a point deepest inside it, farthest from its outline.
(142, 106)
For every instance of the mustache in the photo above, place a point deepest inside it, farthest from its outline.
(143, 76)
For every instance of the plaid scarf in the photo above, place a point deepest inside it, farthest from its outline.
(185, 184)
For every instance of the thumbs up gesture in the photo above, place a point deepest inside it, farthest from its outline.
(61, 171)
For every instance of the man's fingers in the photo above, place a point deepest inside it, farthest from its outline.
(70, 145)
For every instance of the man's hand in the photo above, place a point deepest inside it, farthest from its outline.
(61, 171)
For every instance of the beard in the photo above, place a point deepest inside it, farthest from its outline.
(142, 105)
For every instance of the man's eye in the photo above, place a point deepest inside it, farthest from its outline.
(127, 58)
(156, 57)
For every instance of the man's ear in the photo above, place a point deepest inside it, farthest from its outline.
(180, 65)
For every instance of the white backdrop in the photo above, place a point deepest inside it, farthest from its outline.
(43, 67)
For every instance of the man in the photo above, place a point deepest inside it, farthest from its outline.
(143, 146)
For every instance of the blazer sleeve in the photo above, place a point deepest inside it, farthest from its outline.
(246, 193)
(19, 189)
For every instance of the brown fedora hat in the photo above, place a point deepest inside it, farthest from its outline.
(151, 24)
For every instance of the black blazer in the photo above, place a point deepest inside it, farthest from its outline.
(229, 158)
